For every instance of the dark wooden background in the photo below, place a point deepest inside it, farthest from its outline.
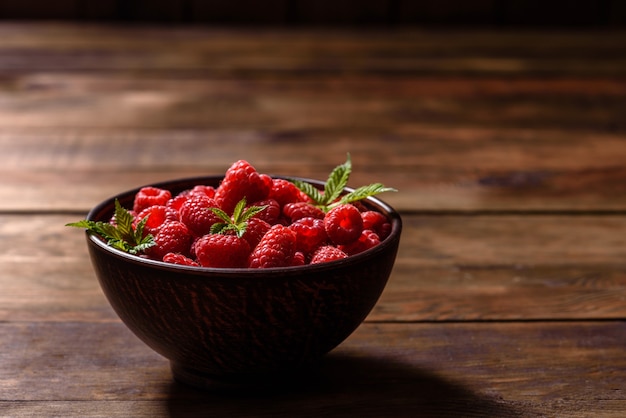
(497, 13)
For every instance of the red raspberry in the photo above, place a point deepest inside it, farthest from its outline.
(241, 180)
(192, 247)
(255, 229)
(202, 190)
(299, 210)
(172, 237)
(196, 213)
(377, 222)
(367, 240)
(284, 191)
(175, 258)
(299, 259)
(150, 196)
(157, 216)
(276, 248)
(343, 224)
(177, 201)
(222, 251)
(327, 253)
(310, 234)
(271, 213)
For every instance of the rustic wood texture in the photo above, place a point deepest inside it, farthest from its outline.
(508, 150)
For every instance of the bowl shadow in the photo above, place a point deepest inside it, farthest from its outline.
(344, 385)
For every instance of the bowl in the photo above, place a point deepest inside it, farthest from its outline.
(239, 325)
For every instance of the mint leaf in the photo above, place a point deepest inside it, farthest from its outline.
(334, 186)
(337, 180)
(124, 222)
(309, 190)
(122, 235)
(363, 192)
(238, 222)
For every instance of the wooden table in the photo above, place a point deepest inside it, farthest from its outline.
(508, 148)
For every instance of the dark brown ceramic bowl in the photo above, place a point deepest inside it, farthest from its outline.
(238, 324)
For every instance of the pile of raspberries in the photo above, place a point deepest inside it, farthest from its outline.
(289, 231)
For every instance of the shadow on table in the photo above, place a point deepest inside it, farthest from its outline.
(343, 386)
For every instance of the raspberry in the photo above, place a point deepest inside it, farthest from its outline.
(310, 234)
(202, 190)
(327, 253)
(299, 259)
(177, 201)
(222, 251)
(367, 240)
(298, 210)
(377, 222)
(343, 224)
(241, 181)
(271, 213)
(150, 196)
(284, 191)
(196, 213)
(180, 259)
(157, 216)
(276, 248)
(255, 229)
(172, 237)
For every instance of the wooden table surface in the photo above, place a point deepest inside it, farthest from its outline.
(508, 149)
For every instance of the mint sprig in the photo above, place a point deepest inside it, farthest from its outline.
(238, 222)
(122, 235)
(337, 180)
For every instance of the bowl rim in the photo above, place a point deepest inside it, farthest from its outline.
(102, 207)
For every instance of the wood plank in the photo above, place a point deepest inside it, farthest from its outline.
(450, 268)
(57, 47)
(481, 369)
(358, 105)
(155, 409)
(434, 168)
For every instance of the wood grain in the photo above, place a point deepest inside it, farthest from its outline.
(435, 369)
(194, 49)
(451, 268)
(507, 148)
(447, 169)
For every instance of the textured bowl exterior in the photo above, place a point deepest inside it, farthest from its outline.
(240, 322)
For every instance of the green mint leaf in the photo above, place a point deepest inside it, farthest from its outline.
(337, 181)
(364, 192)
(239, 207)
(221, 214)
(143, 246)
(237, 223)
(107, 230)
(138, 237)
(82, 224)
(309, 190)
(119, 244)
(124, 222)
(241, 229)
(251, 211)
(218, 228)
(334, 186)
(122, 235)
